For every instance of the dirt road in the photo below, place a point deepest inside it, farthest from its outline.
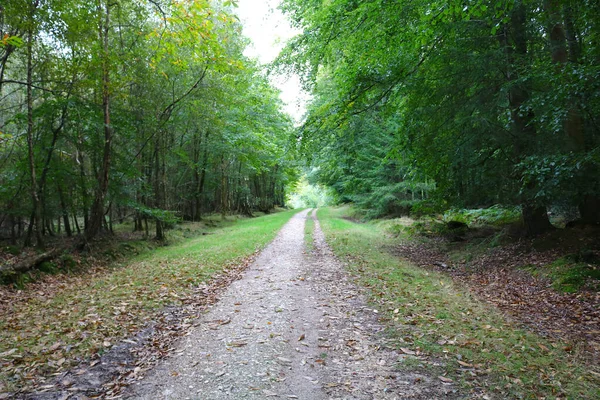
(295, 327)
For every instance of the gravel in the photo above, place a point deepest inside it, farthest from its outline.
(294, 327)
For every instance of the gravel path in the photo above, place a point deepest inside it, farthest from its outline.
(295, 326)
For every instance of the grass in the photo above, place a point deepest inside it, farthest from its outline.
(462, 338)
(571, 274)
(309, 228)
(495, 215)
(48, 333)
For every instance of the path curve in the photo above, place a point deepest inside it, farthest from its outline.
(296, 327)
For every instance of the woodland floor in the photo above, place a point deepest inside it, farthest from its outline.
(291, 322)
(497, 276)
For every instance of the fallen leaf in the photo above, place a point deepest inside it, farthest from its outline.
(55, 346)
(8, 353)
(445, 380)
(407, 351)
(301, 338)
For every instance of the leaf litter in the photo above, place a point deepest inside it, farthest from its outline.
(108, 373)
(496, 276)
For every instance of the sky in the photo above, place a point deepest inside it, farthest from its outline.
(269, 29)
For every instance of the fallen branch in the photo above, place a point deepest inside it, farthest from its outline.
(29, 263)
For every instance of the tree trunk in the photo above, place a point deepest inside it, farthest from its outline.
(97, 211)
(196, 159)
(158, 201)
(589, 209)
(30, 263)
(536, 220)
(534, 215)
(589, 206)
(76, 223)
(13, 232)
(36, 203)
(83, 187)
(200, 192)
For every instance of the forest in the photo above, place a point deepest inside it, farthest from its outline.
(428, 229)
(145, 111)
(422, 106)
(149, 111)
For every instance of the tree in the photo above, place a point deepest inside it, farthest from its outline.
(468, 90)
(141, 109)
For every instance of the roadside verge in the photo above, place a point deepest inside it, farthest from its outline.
(441, 327)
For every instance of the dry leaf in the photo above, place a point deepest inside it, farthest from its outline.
(407, 351)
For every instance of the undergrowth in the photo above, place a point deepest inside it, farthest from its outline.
(571, 273)
(447, 330)
(495, 215)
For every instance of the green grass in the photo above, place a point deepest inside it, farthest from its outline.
(427, 313)
(570, 274)
(309, 228)
(495, 215)
(91, 313)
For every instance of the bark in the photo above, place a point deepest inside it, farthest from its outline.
(560, 56)
(204, 166)
(571, 35)
(76, 223)
(558, 40)
(97, 211)
(30, 263)
(196, 159)
(36, 203)
(158, 198)
(565, 48)
(589, 209)
(535, 217)
(13, 232)
(84, 192)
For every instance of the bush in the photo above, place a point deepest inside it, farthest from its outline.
(495, 215)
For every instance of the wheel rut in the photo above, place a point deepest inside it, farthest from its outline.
(295, 326)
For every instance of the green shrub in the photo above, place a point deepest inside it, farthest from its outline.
(495, 215)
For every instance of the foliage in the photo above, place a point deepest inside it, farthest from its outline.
(149, 109)
(306, 195)
(495, 215)
(484, 102)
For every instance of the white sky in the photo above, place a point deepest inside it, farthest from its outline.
(269, 29)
